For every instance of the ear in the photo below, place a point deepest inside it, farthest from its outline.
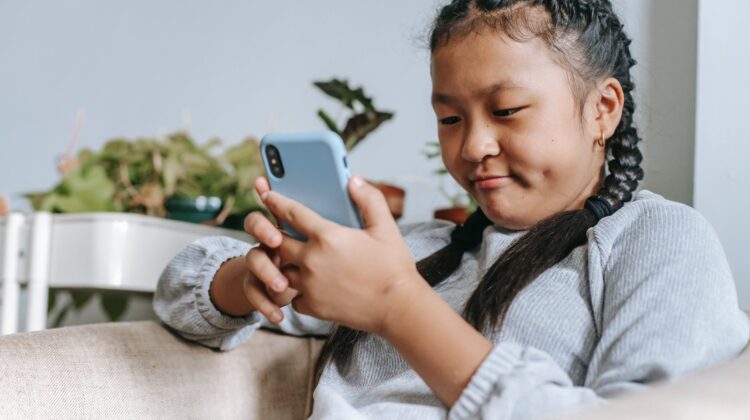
(609, 99)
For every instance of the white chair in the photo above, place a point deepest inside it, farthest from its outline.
(112, 251)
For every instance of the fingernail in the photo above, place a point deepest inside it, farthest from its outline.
(276, 316)
(279, 284)
(264, 195)
(358, 182)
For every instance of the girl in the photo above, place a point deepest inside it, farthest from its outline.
(565, 288)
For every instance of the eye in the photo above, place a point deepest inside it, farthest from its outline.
(449, 120)
(505, 112)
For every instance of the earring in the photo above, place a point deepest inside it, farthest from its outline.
(601, 139)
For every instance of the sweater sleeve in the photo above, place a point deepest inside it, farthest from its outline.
(181, 300)
(669, 307)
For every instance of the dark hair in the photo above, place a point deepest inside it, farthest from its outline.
(587, 38)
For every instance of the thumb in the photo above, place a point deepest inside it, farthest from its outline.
(371, 204)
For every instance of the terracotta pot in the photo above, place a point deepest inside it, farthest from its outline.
(394, 196)
(456, 215)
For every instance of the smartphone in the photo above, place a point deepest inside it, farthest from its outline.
(312, 169)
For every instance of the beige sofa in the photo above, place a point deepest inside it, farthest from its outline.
(140, 370)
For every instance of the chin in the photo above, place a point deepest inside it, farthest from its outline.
(504, 217)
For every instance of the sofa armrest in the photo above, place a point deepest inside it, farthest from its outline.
(719, 392)
(141, 370)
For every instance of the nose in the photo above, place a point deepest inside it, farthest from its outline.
(480, 142)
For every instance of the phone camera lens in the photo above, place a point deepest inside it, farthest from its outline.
(274, 161)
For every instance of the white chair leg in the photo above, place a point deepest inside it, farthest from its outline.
(36, 310)
(11, 241)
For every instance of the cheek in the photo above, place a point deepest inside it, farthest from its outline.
(531, 155)
(546, 158)
(563, 167)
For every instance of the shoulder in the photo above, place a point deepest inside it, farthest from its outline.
(651, 224)
(661, 260)
(654, 243)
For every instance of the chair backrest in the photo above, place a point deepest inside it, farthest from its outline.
(25, 243)
(109, 251)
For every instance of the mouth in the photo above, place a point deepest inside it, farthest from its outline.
(491, 182)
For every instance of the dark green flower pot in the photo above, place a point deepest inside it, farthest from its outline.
(237, 221)
(194, 210)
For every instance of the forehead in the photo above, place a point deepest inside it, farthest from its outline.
(478, 60)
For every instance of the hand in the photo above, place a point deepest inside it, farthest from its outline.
(266, 287)
(354, 277)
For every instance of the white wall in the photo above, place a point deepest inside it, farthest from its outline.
(722, 172)
(664, 44)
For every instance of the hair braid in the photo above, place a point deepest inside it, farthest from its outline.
(625, 167)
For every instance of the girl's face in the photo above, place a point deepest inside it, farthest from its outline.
(511, 131)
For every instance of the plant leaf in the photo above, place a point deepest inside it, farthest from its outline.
(360, 125)
(51, 300)
(61, 315)
(114, 305)
(328, 121)
(338, 89)
(80, 298)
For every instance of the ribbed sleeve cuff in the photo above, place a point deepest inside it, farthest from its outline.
(503, 358)
(202, 300)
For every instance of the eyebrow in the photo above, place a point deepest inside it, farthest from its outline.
(443, 98)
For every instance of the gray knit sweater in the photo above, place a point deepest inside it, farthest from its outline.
(649, 298)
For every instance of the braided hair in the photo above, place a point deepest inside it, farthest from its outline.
(587, 38)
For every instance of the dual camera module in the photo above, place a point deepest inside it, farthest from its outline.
(274, 161)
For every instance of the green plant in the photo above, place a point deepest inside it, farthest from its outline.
(138, 176)
(363, 118)
(113, 303)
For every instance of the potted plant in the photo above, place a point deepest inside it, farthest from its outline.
(164, 177)
(4, 208)
(362, 120)
(160, 177)
(462, 203)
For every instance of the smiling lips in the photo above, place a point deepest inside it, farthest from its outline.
(491, 182)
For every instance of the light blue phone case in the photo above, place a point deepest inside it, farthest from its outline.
(316, 174)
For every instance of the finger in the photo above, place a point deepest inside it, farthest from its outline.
(284, 298)
(301, 218)
(261, 266)
(261, 301)
(260, 228)
(300, 305)
(273, 254)
(261, 185)
(291, 251)
(292, 273)
(371, 204)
